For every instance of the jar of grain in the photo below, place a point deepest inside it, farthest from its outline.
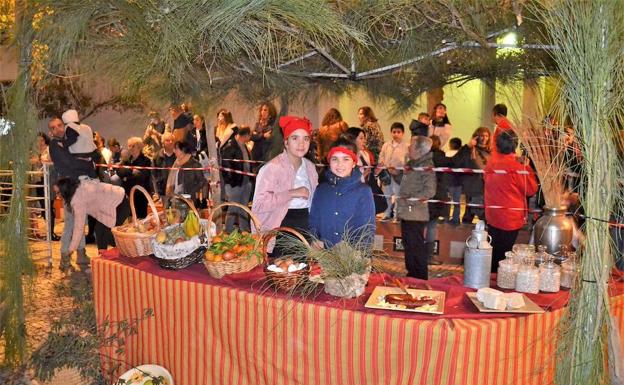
(527, 279)
(550, 275)
(506, 273)
(569, 271)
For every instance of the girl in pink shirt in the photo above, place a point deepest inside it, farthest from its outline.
(285, 185)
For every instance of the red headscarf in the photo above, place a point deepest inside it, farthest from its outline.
(290, 124)
(342, 149)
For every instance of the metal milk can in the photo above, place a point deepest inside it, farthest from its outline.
(554, 229)
(478, 258)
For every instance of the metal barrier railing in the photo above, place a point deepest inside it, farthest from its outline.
(39, 209)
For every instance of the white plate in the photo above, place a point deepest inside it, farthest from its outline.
(142, 375)
(375, 301)
(529, 306)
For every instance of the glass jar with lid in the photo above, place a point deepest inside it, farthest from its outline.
(569, 271)
(507, 271)
(541, 255)
(523, 250)
(562, 254)
(527, 279)
(550, 275)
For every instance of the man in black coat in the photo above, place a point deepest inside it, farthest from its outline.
(164, 159)
(237, 185)
(473, 155)
(67, 164)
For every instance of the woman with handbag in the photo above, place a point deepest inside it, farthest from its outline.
(184, 181)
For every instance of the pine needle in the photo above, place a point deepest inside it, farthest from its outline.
(590, 58)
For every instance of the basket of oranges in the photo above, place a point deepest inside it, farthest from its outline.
(236, 252)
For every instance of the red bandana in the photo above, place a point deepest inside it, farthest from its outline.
(344, 150)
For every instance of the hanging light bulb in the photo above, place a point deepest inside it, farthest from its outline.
(510, 39)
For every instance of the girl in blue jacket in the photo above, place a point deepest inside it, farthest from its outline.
(342, 203)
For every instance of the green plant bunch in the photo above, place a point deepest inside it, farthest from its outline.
(590, 58)
(341, 260)
(352, 255)
(166, 50)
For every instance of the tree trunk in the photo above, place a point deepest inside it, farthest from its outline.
(16, 261)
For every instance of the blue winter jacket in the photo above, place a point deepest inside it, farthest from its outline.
(339, 204)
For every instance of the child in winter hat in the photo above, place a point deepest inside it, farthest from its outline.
(85, 143)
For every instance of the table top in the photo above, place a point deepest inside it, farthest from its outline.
(457, 304)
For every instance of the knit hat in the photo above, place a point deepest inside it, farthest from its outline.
(290, 124)
(70, 116)
(84, 144)
(71, 119)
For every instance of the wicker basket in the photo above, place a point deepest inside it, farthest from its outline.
(182, 263)
(181, 255)
(137, 244)
(285, 281)
(237, 265)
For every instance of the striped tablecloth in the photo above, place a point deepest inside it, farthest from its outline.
(209, 334)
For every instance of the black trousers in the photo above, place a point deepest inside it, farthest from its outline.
(140, 205)
(103, 235)
(502, 242)
(298, 219)
(51, 211)
(416, 256)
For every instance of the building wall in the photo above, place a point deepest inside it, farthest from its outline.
(8, 63)
(468, 106)
(464, 107)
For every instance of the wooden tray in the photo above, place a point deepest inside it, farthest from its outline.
(529, 306)
(380, 291)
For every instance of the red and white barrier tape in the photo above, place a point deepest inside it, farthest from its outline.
(406, 168)
(441, 169)
(208, 168)
(461, 170)
(448, 202)
(530, 211)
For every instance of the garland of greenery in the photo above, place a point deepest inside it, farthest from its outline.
(166, 50)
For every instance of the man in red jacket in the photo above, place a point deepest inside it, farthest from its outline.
(499, 115)
(509, 191)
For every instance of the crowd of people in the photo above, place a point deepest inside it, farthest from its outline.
(324, 182)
